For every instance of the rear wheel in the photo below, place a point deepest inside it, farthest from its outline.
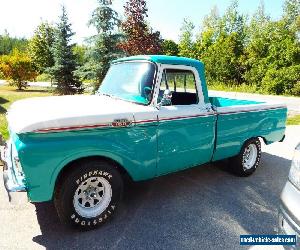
(248, 159)
(88, 196)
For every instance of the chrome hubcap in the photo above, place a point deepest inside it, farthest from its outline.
(92, 197)
(249, 156)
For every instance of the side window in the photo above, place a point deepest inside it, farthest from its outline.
(182, 86)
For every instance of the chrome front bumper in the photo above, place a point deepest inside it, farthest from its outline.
(14, 186)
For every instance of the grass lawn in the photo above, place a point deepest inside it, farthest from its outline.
(234, 88)
(8, 95)
(294, 120)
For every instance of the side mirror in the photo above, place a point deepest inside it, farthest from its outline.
(147, 93)
(166, 99)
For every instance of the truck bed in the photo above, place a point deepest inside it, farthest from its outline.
(226, 102)
(239, 120)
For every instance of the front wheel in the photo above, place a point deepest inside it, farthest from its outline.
(248, 159)
(89, 195)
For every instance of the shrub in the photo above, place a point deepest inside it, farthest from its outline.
(283, 81)
(17, 68)
(44, 77)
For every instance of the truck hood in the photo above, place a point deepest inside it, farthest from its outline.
(42, 114)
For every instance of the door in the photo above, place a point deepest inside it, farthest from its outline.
(186, 129)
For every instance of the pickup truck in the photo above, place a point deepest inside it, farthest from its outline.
(151, 116)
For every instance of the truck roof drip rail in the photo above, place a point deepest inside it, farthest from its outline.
(166, 79)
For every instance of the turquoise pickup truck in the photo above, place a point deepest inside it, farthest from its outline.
(151, 116)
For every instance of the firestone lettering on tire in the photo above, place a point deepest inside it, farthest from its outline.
(95, 221)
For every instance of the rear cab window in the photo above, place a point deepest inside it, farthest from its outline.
(182, 84)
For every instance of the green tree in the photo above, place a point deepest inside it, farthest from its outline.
(40, 46)
(212, 21)
(221, 61)
(64, 58)
(103, 46)
(257, 47)
(211, 29)
(259, 21)
(186, 44)
(8, 44)
(273, 51)
(17, 68)
(262, 52)
(220, 45)
(170, 48)
(283, 57)
(285, 80)
(139, 37)
(291, 11)
(80, 54)
(236, 29)
(234, 22)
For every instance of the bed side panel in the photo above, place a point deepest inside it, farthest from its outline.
(233, 129)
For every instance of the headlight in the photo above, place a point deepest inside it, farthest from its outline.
(294, 175)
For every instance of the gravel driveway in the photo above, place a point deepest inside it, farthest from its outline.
(200, 208)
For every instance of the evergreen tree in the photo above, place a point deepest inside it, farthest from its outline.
(40, 47)
(186, 44)
(103, 48)
(139, 37)
(65, 63)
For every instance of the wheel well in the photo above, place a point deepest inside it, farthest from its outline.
(68, 168)
(263, 139)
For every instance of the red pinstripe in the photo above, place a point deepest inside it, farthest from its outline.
(142, 121)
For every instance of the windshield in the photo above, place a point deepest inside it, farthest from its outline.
(130, 81)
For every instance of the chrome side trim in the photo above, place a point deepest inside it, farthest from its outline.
(163, 119)
(223, 112)
(110, 125)
(83, 127)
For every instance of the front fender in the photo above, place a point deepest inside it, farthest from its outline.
(43, 156)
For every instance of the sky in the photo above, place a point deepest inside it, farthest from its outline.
(21, 17)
